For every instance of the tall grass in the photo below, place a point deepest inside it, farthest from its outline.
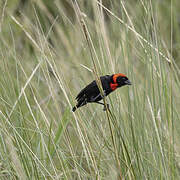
(46, 61)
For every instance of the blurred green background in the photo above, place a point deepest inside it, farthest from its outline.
(45, 61)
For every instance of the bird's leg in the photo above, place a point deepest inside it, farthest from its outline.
(106, 107)
(103, 105)
(100, 103)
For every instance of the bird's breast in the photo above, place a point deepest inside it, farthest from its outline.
(113, 86)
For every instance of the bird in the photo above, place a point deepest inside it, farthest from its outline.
(91, 93)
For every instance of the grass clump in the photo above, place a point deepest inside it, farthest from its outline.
(46, 60)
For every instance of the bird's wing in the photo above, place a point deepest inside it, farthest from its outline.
(98, 97)
(92, 90)
(84, 91)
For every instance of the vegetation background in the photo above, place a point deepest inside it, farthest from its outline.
(44, 62)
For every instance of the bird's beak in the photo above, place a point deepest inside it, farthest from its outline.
(128, 82)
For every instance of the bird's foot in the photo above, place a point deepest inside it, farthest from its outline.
(106, 107)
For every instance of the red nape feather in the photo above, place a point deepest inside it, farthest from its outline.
(113, 86)
(117, 75)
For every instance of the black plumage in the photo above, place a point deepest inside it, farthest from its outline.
(91, 92)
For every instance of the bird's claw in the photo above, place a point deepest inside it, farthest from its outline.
(106, 107)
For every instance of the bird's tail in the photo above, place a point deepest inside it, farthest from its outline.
(74, 108)
(80, 103)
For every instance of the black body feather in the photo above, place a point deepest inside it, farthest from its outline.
(91, 92)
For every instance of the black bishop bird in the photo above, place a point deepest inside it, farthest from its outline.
(91, 93)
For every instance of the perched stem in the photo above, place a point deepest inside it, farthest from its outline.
(99, 84)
